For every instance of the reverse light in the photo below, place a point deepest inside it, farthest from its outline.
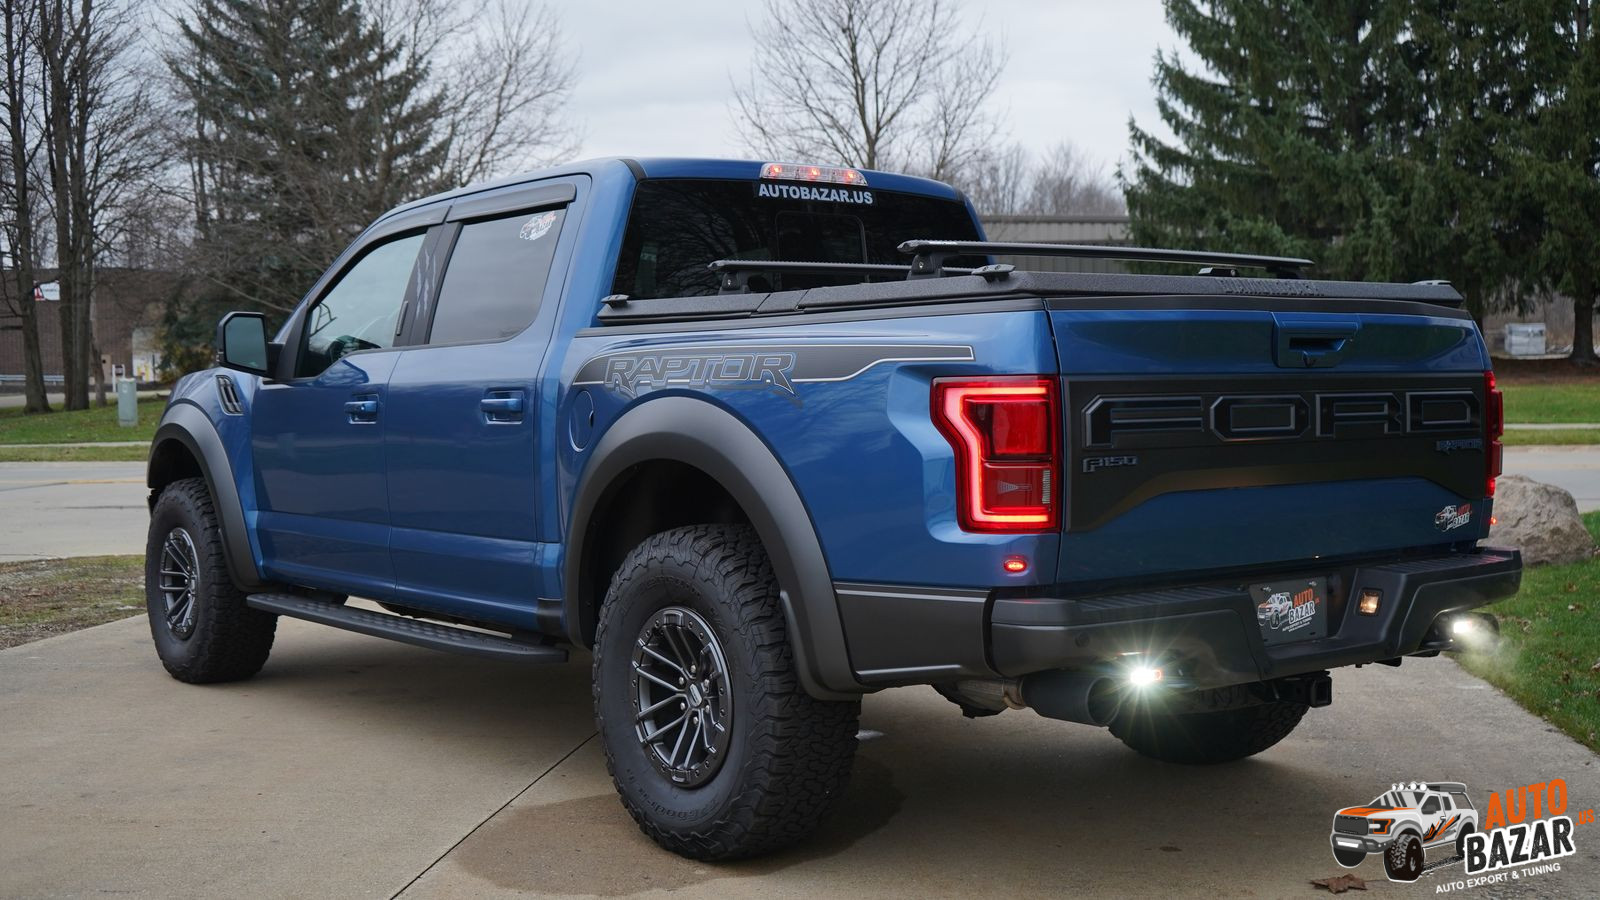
(1144, 676)
(1368, 604)
(1003, 430)
(820, 174)
(1494, 424)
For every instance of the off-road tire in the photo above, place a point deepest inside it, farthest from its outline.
(1349, 858)
(229, 641)
(1205, 738)
(788, 756)
(1461, 839)
(1403, 859)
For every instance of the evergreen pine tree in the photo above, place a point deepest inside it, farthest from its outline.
(1556, 160)
(1360, 133)
(308, 124)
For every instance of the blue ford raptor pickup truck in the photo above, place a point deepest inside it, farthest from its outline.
(768, 437)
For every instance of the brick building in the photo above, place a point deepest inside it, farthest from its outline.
(127, 308)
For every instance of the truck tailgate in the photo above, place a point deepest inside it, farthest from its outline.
(1211, 433)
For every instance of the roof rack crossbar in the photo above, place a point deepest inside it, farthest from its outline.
(734, 274)
(929, 256)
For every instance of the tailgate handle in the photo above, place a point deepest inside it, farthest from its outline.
(1318, 347)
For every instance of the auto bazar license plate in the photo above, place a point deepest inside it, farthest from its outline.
(1294, 609)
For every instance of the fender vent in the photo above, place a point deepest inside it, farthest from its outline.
(228, 392)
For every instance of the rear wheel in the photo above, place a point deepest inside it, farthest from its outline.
(1203, 738)
(1461, 840)
(202, 629)
(713, 745)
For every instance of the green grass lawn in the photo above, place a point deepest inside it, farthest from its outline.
(1525, 437)
(1549, 656)
(47, 597)
(91, 453)
(78, 426)
(1567, 401)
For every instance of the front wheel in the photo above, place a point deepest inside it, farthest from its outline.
(715, 748)
(1201, 738)
(1403, 860)
(203, 630)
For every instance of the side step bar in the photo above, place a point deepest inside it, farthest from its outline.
(433, 635)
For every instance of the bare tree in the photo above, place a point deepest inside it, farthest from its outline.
(998, 183)
(99, 148)
(503, 74)
(1066, 183)
(16, 188)
(871, 83)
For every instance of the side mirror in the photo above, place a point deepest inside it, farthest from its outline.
(242, 343)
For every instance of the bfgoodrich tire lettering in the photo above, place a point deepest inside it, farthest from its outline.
(211, 635)
(787, 755)
(1201, 738)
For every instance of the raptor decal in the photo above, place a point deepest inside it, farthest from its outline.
(772, 367)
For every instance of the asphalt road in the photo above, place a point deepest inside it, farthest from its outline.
(354, 767)
(83, 509)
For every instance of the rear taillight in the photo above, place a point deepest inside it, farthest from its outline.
(1004, 431)
(1494, 425)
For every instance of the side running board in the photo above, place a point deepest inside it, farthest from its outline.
(433, 635)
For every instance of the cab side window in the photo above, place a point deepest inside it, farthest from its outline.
(496, 277)
(1430, 807)
(362, 309)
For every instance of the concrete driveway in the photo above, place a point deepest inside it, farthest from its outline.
(356, 767)
(84, 509)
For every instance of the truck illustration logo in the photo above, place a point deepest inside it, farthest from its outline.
(1287, 612)
(1453, 517)
(1402, 824)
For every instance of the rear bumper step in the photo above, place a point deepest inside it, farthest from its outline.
(1214, 627)
(432, 635)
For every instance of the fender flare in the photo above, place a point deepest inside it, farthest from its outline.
(188, 425)
(702, 435)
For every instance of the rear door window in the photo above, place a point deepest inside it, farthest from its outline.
(677, 226)
(496, 277)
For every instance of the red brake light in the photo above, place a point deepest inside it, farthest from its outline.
(825, 174)
(1003, 430)
(1494, 426)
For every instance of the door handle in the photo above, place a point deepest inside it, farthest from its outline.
(503, 406)
(362, 411)
(1313, 347)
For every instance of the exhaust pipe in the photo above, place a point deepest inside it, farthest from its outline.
(1081, 697)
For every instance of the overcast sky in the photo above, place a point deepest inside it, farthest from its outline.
(654, 76)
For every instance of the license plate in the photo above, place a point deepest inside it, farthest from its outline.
(1294, 609)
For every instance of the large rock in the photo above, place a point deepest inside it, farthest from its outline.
(1541, 519)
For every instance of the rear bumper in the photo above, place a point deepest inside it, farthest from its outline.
(913, 635)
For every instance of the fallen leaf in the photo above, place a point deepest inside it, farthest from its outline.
(1340, 883)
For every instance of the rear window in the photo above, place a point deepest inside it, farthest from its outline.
(496, 276)
(677, 226)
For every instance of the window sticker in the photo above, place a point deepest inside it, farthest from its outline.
(538, 226)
